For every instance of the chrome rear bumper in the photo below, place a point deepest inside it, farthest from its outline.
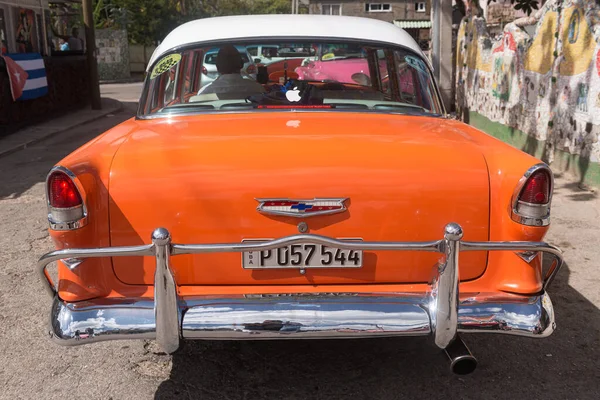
(298, 317)
(440, 312)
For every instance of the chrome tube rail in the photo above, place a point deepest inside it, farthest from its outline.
(443, 299)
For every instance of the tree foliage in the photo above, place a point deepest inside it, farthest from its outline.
(108, 15)
(149, 21)
(271, 7)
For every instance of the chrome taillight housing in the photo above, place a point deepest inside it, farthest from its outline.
(530, 204)
(66, 208)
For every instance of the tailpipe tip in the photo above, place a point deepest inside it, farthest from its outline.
(463, 365)
(462, 361)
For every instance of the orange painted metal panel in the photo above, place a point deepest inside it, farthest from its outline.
(406, 177)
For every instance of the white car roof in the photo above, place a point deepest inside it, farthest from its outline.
(288, 26)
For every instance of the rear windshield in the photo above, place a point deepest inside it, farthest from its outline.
(327, 76)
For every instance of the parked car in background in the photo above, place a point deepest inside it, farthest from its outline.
(264, 53)
(301, 207)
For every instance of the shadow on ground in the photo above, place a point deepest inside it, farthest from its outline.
(578, 191)
(30, 166)
(562, 366)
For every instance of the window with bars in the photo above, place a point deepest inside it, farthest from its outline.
(420, 6)
(378, 7)
(331, 9)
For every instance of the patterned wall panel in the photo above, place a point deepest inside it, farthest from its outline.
(113, 54)
(546, 85)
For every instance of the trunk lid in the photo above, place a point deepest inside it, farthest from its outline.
(405, 178)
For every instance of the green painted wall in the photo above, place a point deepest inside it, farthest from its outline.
(585, 171)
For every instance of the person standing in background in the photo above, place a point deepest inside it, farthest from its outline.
(64, 46)
(74, 42)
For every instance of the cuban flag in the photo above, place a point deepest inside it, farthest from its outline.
(27, 75)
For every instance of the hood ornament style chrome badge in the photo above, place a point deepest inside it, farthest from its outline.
(301, 208)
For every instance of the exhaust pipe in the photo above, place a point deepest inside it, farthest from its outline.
(462, 361)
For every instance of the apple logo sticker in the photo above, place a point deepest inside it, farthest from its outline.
(293, 95)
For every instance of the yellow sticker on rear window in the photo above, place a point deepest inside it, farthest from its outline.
(328, 56)
(165, 64)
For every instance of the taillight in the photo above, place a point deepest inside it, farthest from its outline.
(537, 188)
(251, 69)
(66, 209)
(204, 71)
(531, 201)
(62, 192)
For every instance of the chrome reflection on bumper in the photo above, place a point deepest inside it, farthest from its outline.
(169, 318)
(306, 317)
(102, 319)
(299, 317)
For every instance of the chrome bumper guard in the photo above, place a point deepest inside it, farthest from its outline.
(441, 312)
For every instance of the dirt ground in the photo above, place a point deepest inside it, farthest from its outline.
(564, 366)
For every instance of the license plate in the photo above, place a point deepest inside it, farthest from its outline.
(302, 256)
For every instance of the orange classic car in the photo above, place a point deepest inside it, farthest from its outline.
(291, 209)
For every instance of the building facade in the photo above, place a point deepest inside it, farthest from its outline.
(413, 16)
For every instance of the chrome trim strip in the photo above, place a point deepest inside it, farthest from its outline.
(528, 220)
(234, 317)
(440, 303)
(79, 222)
(284, 110)
(433, 246)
